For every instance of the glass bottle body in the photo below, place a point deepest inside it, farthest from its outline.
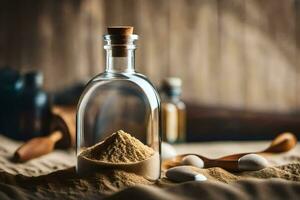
(120, 99)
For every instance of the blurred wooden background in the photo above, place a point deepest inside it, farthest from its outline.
(232, 53)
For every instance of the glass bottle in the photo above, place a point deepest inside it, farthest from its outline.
(173, 111)
(119, 99)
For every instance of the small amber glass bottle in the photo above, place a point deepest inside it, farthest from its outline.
(173, 111)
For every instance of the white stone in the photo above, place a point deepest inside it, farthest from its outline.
(200, 177)
(183, 174)
(192, 160)
(167, 151)
(252, 162)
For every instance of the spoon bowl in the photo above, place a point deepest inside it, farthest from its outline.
(282, 143)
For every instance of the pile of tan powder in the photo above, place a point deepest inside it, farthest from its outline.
(120, 147)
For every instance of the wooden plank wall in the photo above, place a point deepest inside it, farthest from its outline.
(232, 53)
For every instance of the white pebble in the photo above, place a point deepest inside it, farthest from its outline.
(252, 162)
(183, 174)
(200, 177)
(192, 160)
(167, 151)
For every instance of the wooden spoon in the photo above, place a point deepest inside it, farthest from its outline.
(248, 162)
(226, 164)
(37, 147)
(280, 144)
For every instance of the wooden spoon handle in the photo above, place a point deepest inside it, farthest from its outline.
(230, 165)
(37, 147)
(238, 155)
(55, 136)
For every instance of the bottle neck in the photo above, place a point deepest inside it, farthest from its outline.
(173, 98)
(172, 94)
(118, 64)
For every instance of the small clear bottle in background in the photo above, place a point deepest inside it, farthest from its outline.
(173, 111)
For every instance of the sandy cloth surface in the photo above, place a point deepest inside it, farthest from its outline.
(56, 160)
(250, 189)
(32, 180)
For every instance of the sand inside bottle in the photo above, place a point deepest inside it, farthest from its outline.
(120, 151)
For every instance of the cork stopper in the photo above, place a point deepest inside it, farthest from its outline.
(120, 37)
(120, 30)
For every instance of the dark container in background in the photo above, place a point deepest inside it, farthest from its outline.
(34, 107)
(11, 85)
(25, 110)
